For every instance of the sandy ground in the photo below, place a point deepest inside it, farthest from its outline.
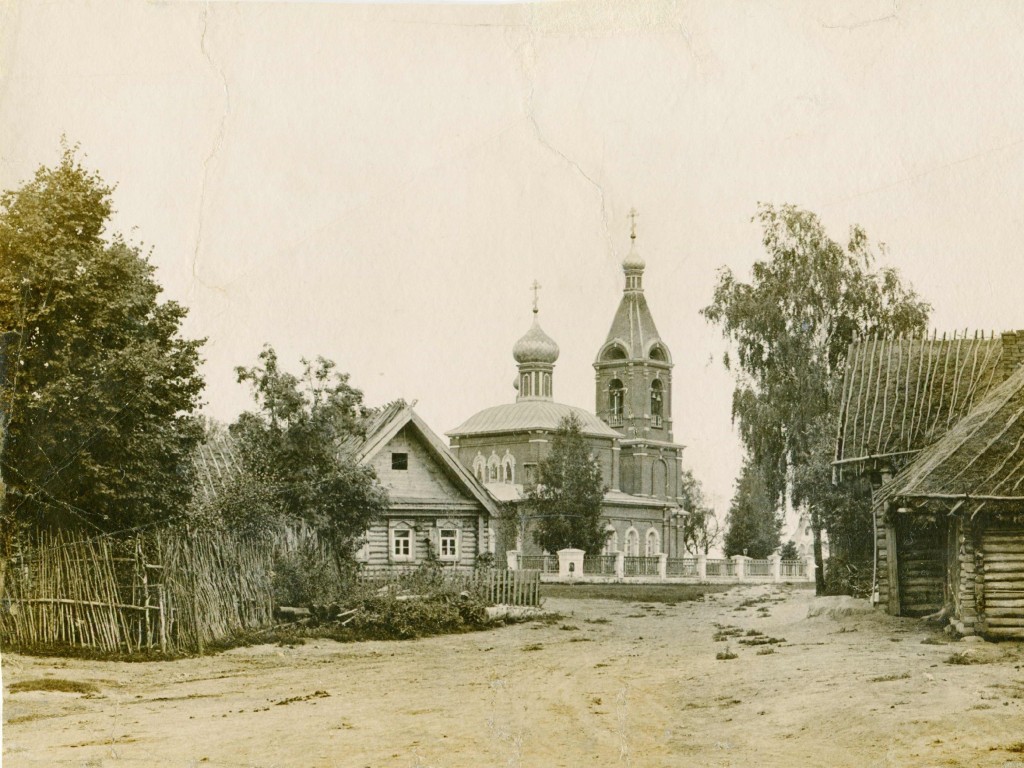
(846, 688)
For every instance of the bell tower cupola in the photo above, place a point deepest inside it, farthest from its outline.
(535, 353)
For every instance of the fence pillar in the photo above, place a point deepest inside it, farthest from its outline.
(738, 563)
(570, 563)
(809, 567)
(662, 565)
(620, 565)
(776, 561)
(702, 566)
(512, 559)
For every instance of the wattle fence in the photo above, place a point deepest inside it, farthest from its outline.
(170, 592)
(178, 591)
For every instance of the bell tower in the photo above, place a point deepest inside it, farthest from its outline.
(634, 367)
(634, 390)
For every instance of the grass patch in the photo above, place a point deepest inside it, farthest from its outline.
(637, 593)
(767, 650)
(726, 655)
(600, 620)
(890, 678)
(54, 684)
(966, 657)
(533, 647)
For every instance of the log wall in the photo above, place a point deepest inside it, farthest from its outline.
(999, 598)
(922, 567)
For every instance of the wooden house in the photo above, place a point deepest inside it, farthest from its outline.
(435, 503)
(934, 424)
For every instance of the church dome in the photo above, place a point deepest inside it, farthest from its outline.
(535, 347)
(633, 260)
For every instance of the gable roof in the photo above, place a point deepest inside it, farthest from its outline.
(216, 461)
(900, 395)
(396, 417)
(977, 463)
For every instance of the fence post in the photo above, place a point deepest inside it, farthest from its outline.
(620, 565)
(809, 567)
(776, 560)
(738, 563)
(702, 566)
(512, 559)
(570, 563)
(662, 565)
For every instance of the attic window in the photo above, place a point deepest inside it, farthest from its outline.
(399, 460)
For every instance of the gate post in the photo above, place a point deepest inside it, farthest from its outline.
(702, 567)
(512, 559)
(620, 565)
(738, 562)
(662, 565)
(570, 563)
(776, 560)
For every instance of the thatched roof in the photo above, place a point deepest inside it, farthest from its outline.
(977, 464)
(901, 395)
(216, 462)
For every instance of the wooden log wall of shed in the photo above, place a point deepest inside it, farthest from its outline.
(921, 566)
(1000, 583)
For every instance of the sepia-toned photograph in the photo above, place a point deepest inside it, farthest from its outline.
(459, 384)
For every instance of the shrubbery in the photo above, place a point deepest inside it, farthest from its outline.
(391, 616)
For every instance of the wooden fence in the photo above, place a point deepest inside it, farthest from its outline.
(173, 592)
(501, 587)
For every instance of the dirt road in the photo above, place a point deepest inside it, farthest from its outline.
(611, 683)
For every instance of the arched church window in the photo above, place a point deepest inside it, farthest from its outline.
(493, 474)
(525, 389)
(614, 352)
(616, 398)
(632, 543)
(547, 385)
(653, 546)
(508, 471)
(657, 402)
(658, 353)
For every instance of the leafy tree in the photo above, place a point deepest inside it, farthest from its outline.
(294, 455)
(753, 523)
(701, 530)
(100, 387)
(790, 328)
(567, 499)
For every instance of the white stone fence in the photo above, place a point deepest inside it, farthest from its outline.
(575, 565)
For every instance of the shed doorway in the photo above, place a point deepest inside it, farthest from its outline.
(921, 563)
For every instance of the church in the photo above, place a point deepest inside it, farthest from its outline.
(629, 430)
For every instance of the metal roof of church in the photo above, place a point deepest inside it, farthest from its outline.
(633, 326)
(527, 415)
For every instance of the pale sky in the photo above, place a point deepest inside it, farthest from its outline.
(381, 184)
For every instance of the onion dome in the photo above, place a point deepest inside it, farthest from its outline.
(633, 260)
(535, 346)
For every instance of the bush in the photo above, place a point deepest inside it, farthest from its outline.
(304, 577)
(400, 617)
